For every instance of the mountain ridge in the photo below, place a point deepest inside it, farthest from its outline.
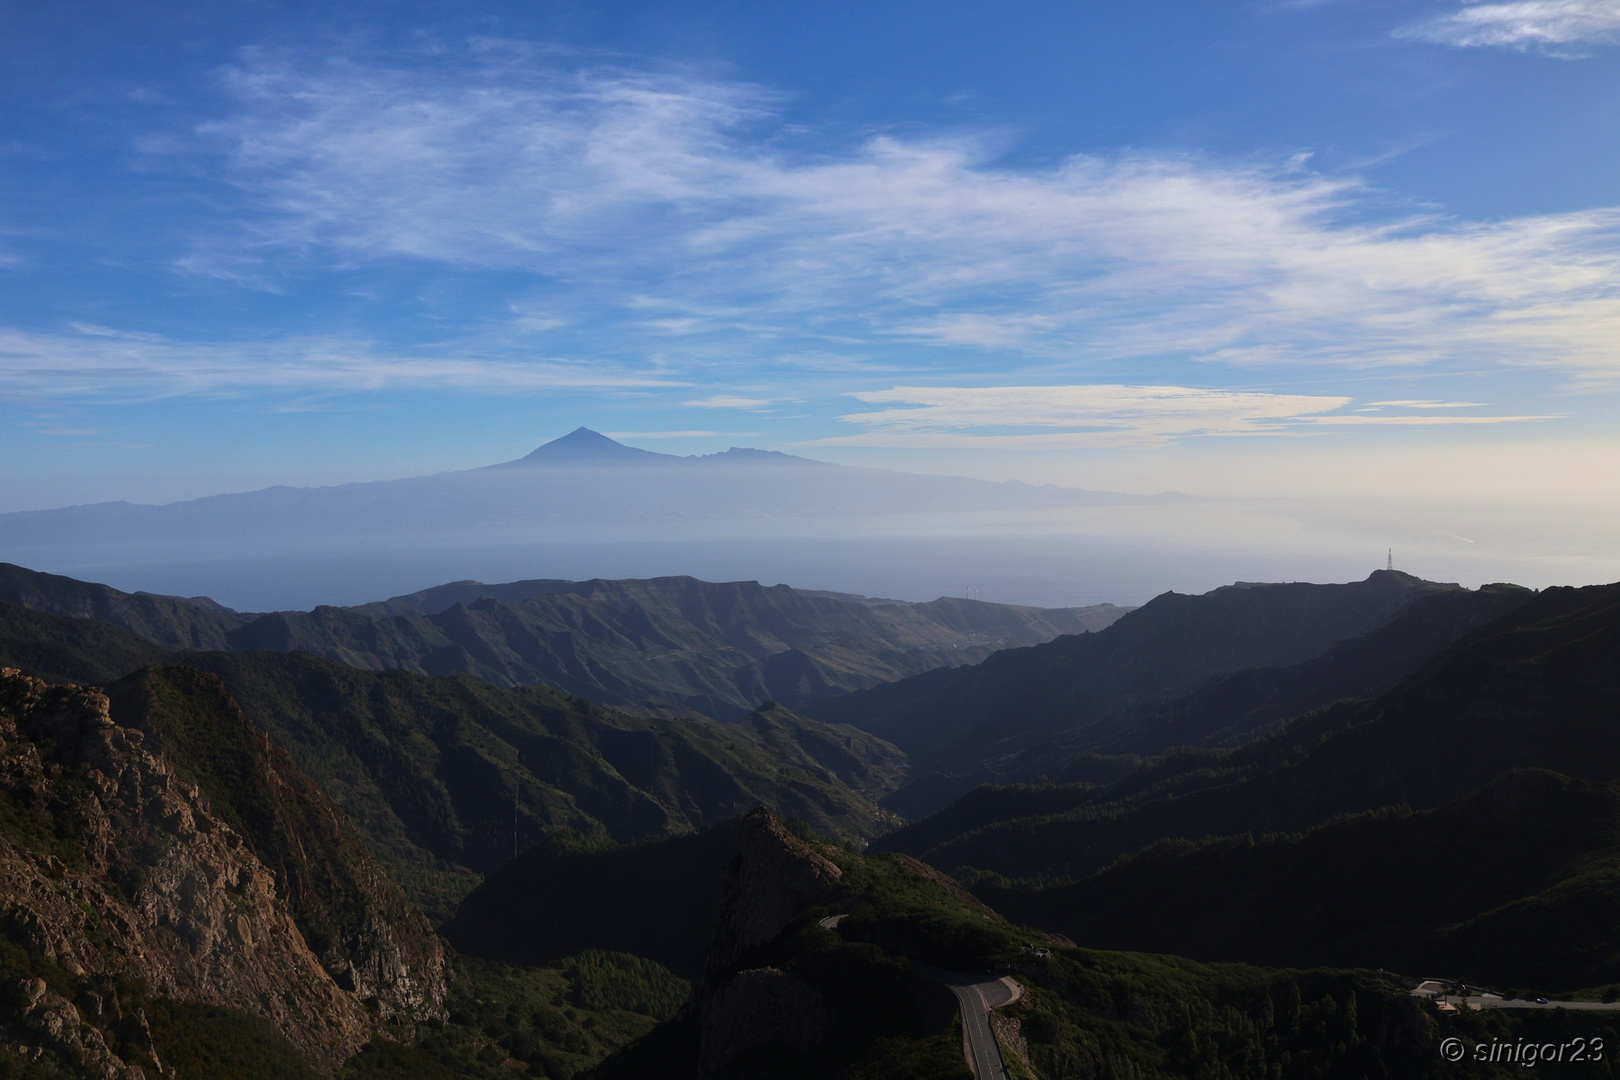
(1439, 789)
(447, 777)
(582, 446)
(662, 646)
(1333, 822)
(954, 718)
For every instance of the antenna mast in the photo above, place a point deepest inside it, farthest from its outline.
(1390, 564)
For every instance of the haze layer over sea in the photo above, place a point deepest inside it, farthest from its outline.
(585, 506)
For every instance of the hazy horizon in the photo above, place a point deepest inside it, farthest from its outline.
(1045, 574)
(912, 537)
(1347, 276)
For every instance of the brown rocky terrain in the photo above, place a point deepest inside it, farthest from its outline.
(368, 935)
(115, 871)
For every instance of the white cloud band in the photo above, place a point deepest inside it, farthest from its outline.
(1523, 24)
(95, 362)
(647, 199)
(938, 417)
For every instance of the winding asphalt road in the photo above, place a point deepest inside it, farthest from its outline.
(978, 996)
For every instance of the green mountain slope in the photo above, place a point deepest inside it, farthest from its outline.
(557, 1021)
(864, 1010)
(180, 900)
(450, 776)
(1083, 766)
(1533, 688)
(170, 621)
(665, 646)
(656, 899)
(63, 649)
(960, 718)
(1444, 890)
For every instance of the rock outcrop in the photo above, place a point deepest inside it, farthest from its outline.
(772, 879)
(112, 867)
(367, 934)
(42, 1025)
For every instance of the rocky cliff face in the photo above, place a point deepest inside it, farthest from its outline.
(773, 877)
(42, 1025)
(368, 936)
(113, 869)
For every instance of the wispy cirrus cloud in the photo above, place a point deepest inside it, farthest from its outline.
(671, 206)
(93, 361)
(1409, 420)
(501, 159)
(1109, 415)
(729, 401)
(1552, 25)
(1425, 403)
(1095, 415)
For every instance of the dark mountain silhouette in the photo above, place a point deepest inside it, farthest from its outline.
(1230, 707)
(1226, 710)
(1515, 885)
(666, 646)
(568, 893)
(1066, 772)
(1452, 726)
(955, 720)
(1488, 773)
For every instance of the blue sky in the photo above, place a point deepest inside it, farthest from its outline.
(1279, 248)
